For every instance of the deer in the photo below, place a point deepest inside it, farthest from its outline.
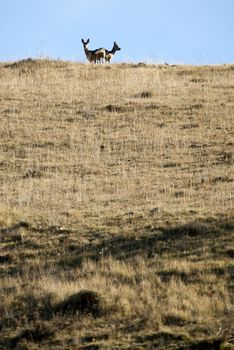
(96, 56)
(109, 54)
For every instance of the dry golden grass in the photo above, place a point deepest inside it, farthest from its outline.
(117, 180)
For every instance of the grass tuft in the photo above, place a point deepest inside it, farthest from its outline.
(85, 302)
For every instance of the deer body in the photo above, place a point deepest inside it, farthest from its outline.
(109, 54)
(95, 56)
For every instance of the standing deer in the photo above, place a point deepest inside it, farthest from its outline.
(109, 54)
(95, 56)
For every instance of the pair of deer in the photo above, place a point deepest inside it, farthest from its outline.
(99, 55)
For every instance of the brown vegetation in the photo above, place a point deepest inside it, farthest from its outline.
(116, 217)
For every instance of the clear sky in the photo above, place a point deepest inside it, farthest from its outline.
(153, 31)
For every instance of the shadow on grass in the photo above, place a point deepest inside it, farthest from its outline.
(179, 240)
(36, 333)
(179, 341)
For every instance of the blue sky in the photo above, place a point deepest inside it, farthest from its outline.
(173, 31)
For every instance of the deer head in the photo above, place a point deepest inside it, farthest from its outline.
(116, 47)
(85, 43)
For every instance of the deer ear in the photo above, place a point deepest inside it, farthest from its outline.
(87, 41)
(82, 40)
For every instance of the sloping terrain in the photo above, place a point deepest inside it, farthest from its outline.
(116, 214)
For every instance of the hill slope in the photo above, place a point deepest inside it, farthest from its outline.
(117, 180)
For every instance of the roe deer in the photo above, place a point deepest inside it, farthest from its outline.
(109, 54)
(96, 56)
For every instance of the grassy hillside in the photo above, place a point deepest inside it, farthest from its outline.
(116, 206)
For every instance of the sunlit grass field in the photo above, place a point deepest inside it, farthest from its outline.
(116, 206)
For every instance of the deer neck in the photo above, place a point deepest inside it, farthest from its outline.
(113, 51)
(87, 52)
